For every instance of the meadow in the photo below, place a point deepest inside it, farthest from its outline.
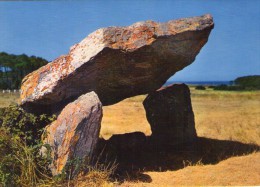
(228, 127)
(223, 115)
(8, 98)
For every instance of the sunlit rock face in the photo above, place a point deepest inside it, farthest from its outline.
(75, 133)
(117, 63)
(169, 112)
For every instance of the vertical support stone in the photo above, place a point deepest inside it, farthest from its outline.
(74, 135)
(169, 112)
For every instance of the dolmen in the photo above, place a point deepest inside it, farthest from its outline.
(109, 65)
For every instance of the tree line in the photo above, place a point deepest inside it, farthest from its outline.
(13, 68)
(251, 82)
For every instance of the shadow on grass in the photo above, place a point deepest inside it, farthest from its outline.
(136, 154)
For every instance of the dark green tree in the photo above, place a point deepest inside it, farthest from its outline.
(13, 68)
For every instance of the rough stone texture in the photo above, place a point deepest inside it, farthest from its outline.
(169, 112)
(117, 62)
(74, 134)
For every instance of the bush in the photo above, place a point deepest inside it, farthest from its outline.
(27, 126)
(200, 87)
(21, 163)
(229, 88)
(249, 82)
(212, 87)
(20, 144)
(221, 87)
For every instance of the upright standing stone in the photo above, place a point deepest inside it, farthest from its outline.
(74, 135)
(169, 112)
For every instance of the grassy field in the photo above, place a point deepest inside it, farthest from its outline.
(227, 122)
(236, 171)
(227, 115)
(224, 115)
(125, 117)
(8, 98)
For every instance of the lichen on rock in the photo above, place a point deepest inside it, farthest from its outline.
(117, 63)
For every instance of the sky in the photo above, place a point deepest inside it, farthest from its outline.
(49, 28)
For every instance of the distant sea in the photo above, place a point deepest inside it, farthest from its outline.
(204, 83)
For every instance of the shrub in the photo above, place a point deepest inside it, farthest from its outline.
(249, 82)
(212, 87)
(229, 88)
(27, 126)
(221, 87)
(200, 87)
(20, 144)
(21, 163)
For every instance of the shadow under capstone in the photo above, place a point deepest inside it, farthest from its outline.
(136, 154)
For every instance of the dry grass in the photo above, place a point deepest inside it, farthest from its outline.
(8, 98)
(219, 115)
(227, 115)
(93, 179)
(236, 171)
(97, 176)
(124, 117)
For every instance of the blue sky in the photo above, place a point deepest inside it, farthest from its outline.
(49, 28)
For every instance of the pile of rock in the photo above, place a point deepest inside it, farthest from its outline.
(109, 65)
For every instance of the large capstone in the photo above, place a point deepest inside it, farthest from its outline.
(74, 135)
(169, 112)
(117, 63)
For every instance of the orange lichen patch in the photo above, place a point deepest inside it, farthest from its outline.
(30, 83)
(44, 88)
(67, 133)
(132, 37)
(55, 65)
(69, 140)
(61, 63)
(58, 69)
